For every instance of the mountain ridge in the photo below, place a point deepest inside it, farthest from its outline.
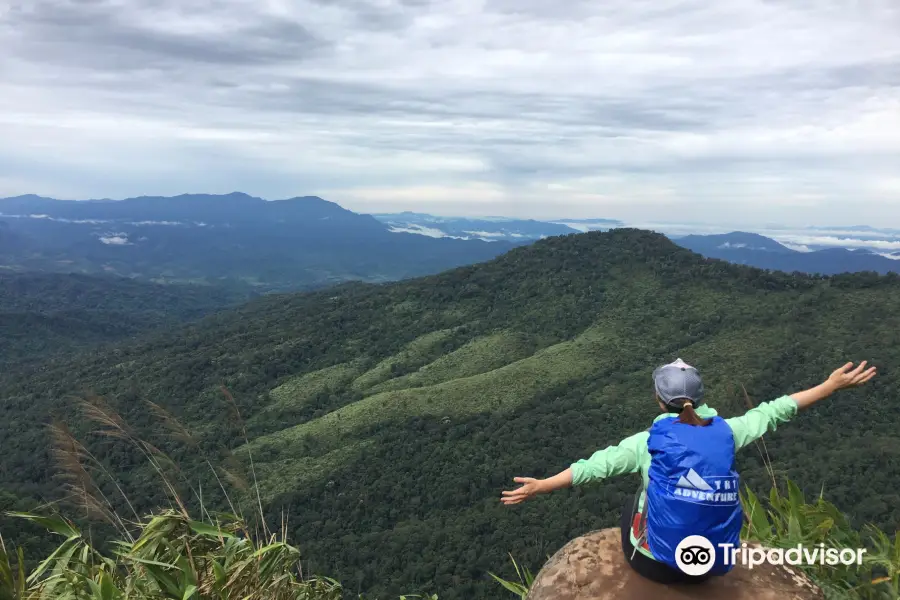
(759, 251)
(235, 239)
(178, 219)
(215, 207)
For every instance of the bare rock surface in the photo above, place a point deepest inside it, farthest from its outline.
(592, 567)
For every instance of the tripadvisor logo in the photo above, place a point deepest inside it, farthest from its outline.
(696, 555)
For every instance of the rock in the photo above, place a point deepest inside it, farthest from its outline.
(592, 567)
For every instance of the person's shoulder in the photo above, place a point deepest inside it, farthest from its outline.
(705, 411)
(636, 439)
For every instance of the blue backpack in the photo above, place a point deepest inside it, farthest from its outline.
(692, 489)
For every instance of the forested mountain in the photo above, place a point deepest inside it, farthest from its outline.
(298, 243)
(384, 420)
(43, 314)
(759, 251)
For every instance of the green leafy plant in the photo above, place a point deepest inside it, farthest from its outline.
(884, 558)
(789, 520)
(520, 587)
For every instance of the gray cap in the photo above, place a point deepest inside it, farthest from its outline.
(678, 381)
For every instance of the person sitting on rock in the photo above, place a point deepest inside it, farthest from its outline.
(686, 459)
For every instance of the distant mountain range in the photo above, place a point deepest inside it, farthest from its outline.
(763, 252)
(306, 242)
(490, 228)
(738, 247)
(234, 239)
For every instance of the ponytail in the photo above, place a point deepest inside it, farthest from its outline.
(689, 416)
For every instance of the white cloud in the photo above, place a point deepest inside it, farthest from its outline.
(115, 239)
(841, 242)
(421, 230)
(167, 223)
(58, 219)
(797, 247)
(585, 226)
(487, 235)
(746, 111)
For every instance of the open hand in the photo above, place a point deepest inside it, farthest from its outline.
(847, 376)
(530, 487)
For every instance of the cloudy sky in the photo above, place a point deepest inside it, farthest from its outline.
(739, 111)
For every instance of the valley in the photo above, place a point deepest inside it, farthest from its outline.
(47, 314)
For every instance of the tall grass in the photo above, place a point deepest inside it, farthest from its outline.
(168, 554)
(172, 557)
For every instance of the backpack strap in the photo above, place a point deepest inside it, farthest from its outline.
(639, 522)
(639, 518)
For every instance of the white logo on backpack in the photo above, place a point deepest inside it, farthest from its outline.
(714, 491)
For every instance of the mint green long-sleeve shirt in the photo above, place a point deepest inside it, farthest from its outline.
(632, 455)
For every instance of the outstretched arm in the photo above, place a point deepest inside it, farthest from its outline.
(533, 487)
(752, 425)
(614, 460)
(842, 378)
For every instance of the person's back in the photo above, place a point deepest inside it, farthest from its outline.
(686, 459)
(693, 488)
